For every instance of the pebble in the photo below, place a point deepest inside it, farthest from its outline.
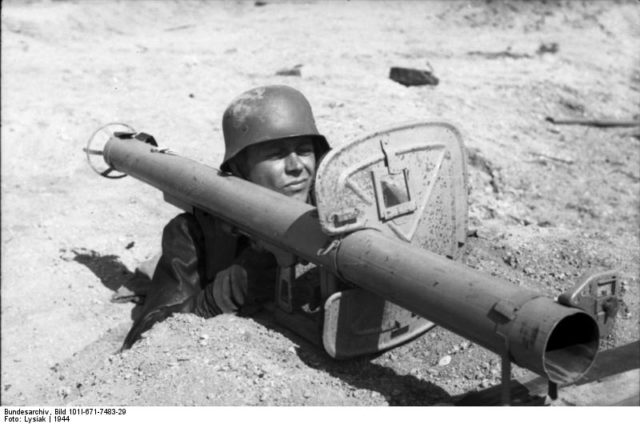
(64, 392)
(444, 361)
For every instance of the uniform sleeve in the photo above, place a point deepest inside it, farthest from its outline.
(240, 288)
(180, 272)
(179, 282)
(178, 277)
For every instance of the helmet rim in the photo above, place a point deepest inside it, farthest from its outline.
(268, 113)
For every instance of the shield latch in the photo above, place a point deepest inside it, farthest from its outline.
(597, 293)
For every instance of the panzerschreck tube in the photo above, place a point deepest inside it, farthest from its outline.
(541, 335)
(553, 340)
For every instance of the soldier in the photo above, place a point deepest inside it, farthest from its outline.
(271, 139)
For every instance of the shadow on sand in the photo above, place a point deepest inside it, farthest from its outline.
(127, 286)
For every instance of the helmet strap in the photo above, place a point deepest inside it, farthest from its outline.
(237, 165)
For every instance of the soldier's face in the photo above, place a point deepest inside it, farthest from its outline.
(286, 166)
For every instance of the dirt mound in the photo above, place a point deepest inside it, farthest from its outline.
(189, 361)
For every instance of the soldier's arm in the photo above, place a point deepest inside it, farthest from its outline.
(239, 288)
(178, 277)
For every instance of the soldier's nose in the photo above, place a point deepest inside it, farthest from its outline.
(293, 163)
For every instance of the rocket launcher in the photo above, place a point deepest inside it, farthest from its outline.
(389, 223)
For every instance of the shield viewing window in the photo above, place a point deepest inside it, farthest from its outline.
(393, 195)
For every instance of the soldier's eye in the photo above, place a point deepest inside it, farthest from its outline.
(305, 150)
(273, 153)
(282, 153)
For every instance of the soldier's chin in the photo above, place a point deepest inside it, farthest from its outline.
(300, 195)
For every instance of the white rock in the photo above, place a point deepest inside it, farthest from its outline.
(444, 361)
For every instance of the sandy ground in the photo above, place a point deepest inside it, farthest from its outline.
(548, 202)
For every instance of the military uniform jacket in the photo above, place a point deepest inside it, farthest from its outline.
(206, 270)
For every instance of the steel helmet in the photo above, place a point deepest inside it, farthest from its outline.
(268, 113)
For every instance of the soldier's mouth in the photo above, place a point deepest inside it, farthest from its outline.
(296, 185)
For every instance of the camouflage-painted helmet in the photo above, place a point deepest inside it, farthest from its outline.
(268, 113)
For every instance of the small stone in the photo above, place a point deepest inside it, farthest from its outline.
(292, 72)
(444, 361)
(409, 76)
(63, 392)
